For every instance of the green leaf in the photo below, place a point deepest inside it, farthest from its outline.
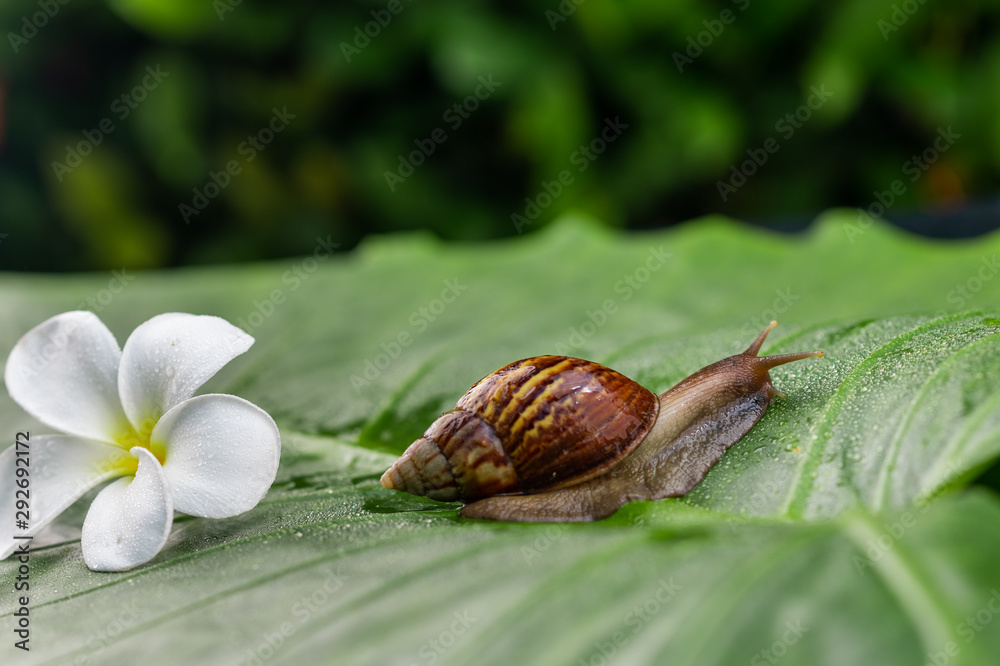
(848, 527)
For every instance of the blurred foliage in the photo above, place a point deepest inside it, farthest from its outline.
(360, 101)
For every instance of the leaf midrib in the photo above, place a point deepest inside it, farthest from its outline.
(799, 489)
(895, 444)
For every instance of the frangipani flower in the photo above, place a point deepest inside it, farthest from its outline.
(130, 413)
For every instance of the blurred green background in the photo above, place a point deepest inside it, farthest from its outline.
(115, 114)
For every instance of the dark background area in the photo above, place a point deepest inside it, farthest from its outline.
(899, 74)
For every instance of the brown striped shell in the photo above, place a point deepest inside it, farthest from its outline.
(537, 424)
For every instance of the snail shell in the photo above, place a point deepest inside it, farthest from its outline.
(541, 423)
(558, 438)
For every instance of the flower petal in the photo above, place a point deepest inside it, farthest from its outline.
(64, 372)
(167, 358)
(222, 454)
(62, 468)
(129, 521)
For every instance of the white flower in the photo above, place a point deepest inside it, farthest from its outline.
(130, 413)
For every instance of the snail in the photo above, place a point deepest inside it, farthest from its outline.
(556, 438)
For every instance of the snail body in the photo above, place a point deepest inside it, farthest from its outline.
(556, 438)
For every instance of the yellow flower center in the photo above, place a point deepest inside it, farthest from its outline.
(130, 437)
